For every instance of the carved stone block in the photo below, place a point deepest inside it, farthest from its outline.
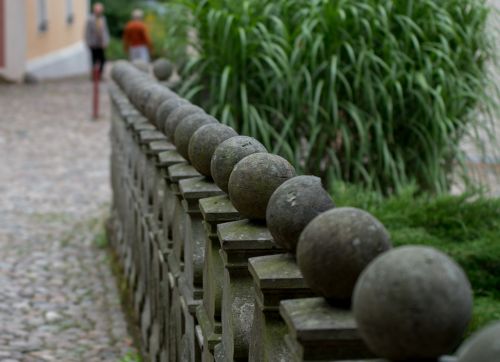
(240, 240)
(318, 332)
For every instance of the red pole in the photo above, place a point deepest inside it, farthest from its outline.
(95, 104)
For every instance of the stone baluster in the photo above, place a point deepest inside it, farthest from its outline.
(275, 278)
(318, 331)
(239, 240)
(215, 210)
(167, 203)
(156, 236)
(175, 257)
(191, 280)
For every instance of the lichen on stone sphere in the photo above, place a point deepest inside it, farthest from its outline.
(483, 345)
(186, 128)
(335, 247)
(176, 116)
(160, 95)
(228, 154)
(144, 92)
(166, 108)
(204, 142)
(253, 181)
(413, 302)
(162, 69)
(292, 206)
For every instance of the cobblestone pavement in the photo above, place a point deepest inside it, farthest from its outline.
(58, 298)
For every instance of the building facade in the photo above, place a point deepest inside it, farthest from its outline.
(42, 38)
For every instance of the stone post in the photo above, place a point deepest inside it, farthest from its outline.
(275, 278)
(240, 240)
(215, 210)
(165, 159)
(155, 195)
(191, 280)
(318, 331)
(175, 261)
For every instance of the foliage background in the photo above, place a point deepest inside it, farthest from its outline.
(376, 92)
(168, 34)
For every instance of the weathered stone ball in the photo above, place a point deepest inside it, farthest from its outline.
(336, 246)
(141, 94)
(141, 65)
(162, 69)
(166, 108)
(132, 84)
(292, 206)
(483, 345)
(413, 302)
(176, 116)
(228, 154)
(253, 181)
(185, 130)
(118, 70)
(203, 143)
(158, 97)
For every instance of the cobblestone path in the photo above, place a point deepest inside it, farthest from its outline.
(58, 298)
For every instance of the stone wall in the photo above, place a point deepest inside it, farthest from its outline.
(259, 265)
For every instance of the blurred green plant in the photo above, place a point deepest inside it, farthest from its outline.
(377, 92)
(168, 26)
(115, 49)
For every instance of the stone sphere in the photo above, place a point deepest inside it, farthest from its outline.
(141, 65)
(118, 70)
(203, 143)
(413, 302)
(176, 116)
(335, 247)
(483, 345)
(185, 130)
(253, 181)
(162, 69)
(133, 84)
(228, 154)
(142, 93)
(292, 206)
(158, 97)
(166, 108)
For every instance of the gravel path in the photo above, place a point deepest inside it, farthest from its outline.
(58, 298)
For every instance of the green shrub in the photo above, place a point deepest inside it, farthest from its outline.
(115, 49)
(168, 28)
(378, 92)
(466, 227)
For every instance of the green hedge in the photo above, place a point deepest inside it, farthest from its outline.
(466, 227)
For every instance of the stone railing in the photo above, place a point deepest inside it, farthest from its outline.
(230, 256)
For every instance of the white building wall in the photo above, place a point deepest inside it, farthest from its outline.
(71, 61)
(15, 40)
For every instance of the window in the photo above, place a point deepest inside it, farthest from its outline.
(43, 22)
(70, 15)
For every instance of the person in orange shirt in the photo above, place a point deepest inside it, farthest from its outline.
(136, 40)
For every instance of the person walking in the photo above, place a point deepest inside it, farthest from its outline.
(136, 40)
(97, 36)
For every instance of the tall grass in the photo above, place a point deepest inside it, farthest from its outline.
(378, 92)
